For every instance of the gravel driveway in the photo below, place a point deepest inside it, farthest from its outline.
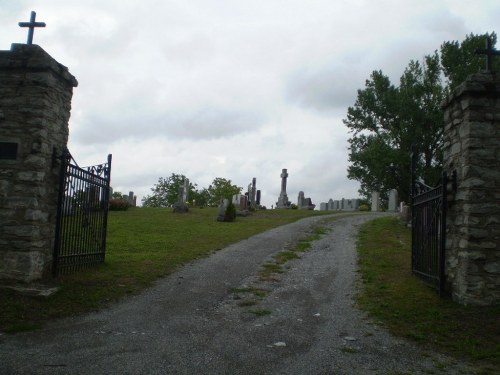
(192, 322)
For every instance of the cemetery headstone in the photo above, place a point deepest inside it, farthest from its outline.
(283, 201)
(236, 199)
(375, 201)
(253, 192)
(330, 204)
(304, 203)
(301, 199)
(393, 201)
(181, 205)
(243, 203)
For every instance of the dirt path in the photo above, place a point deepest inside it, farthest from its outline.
(192, 323)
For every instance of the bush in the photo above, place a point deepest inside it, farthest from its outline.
(293, 206)
(364, 207)
(118, 204)
(230, 214)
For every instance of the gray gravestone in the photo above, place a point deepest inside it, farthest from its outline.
(301, 199)
(375, 201)
(181, 205)
(222, 209)
(330, 205)
(393, 201)
(253, 192)
(283, 201)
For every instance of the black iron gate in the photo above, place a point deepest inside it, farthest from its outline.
(82, 215)
(429, 231)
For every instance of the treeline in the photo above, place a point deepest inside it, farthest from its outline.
(165, 193)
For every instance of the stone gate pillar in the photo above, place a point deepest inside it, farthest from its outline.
(472, 150)
(35, 103)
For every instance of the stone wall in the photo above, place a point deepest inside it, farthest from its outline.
(472, 149)
(35, 103)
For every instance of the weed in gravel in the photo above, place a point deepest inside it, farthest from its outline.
(261, 312)
(284, 256)
(247, 302)
(268, 270)
(303, 245)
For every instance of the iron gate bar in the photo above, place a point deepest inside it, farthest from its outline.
(429, 231)
(444, 213)
(81, 226)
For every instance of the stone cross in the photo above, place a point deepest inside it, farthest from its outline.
(283, 198)
(31, 25)
(489, 52)
(283, 176)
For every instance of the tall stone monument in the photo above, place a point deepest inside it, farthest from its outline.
(283, 201)
(35, 103)
(253, 193)
(181, 206)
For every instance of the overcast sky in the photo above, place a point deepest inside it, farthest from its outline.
(229, 88)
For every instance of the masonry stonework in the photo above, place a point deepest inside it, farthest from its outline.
(35, 103)
(472, 149)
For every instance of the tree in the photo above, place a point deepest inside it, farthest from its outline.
(117, 195)
(459, 59)
(220, 189)
(200, 198)
(166, 191)
(388, 121)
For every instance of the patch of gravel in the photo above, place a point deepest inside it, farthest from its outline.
(192, 323)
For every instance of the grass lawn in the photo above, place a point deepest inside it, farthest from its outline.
(407, 307)
(143, 244)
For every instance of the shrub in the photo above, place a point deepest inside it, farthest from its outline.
(118, 204)
(230, 214)
(293, 206)
(364, 207)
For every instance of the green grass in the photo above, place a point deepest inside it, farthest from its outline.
(261, 312)
(247, 302)
(406, 306)
(143, 244)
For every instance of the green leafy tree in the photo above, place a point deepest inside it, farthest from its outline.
(459, 59)
(166, 191)
(387, 121)
(200, 198)
(221, 188)
(117, 195)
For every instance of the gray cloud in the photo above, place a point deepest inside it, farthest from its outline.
(323, 88)
(199, 124)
